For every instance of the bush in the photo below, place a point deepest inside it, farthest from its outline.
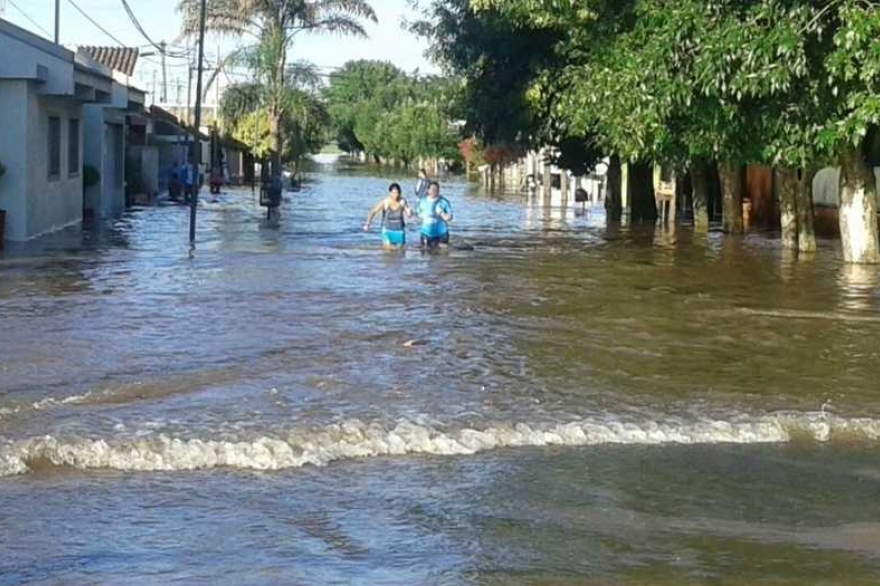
(91, 176)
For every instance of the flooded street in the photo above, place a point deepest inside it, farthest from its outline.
(550, 403)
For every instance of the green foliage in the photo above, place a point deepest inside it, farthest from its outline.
(351, 89)
(91, 176)
(377, 109)
(497, 59)
(787, 82)
(510, 58)
(244, 114)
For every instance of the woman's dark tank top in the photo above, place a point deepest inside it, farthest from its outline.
(393, 219)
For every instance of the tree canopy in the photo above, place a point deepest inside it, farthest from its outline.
(377, 109)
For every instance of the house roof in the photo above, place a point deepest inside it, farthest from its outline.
(164, 115)
(167, 117)
(122, 59)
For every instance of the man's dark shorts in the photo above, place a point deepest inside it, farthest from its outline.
(434, 242)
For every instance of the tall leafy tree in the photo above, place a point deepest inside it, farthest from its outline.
(497, 59)
(379, 110)
(350, 88)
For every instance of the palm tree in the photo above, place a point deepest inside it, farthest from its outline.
(244, 112)
(273, 25)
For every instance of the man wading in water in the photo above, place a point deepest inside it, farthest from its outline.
(435, 212)
(393, 209)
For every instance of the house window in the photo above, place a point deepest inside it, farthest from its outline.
(54, 147)
(73, 163)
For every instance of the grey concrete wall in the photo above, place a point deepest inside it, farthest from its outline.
(56, 203)
(22, 52)
(93, 153)
(13, 185)
(142, 165)
(105, 151)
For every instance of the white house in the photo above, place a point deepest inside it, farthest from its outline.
(42, 92)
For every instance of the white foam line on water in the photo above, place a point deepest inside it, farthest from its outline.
(356, 439)
(51, 401)
(44, 404)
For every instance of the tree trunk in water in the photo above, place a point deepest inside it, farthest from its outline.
(613, 199)
(858, 209)
(805, 212)
(788, 185)
(277, 145)
(700, 183)
(731, 197)
(640, 185)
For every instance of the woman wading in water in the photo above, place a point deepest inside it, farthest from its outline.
(394, 210)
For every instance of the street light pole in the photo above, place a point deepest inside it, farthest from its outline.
(57, 21)
(197, 155)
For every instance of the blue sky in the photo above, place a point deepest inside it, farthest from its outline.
(388, 41)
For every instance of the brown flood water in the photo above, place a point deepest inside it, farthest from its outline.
(552, 402)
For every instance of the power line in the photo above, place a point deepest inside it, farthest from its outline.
(102, 29)
(91, 20)
(143, 32)
(28, 18)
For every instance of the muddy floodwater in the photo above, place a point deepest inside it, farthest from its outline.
(552, 402)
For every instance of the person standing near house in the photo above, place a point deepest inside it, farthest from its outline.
(174, 181)
(216, 180)
(435, 212)
(421, 189)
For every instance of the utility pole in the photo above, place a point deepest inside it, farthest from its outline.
(162, 50)
(57, 22)
(197, 156)
(189, 89)
(217, 85)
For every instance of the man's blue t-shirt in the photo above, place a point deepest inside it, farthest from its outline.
(433, 226)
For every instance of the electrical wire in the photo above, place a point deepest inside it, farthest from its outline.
(103, 30)
(28, 18)
(140, 28)
(91, 20)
